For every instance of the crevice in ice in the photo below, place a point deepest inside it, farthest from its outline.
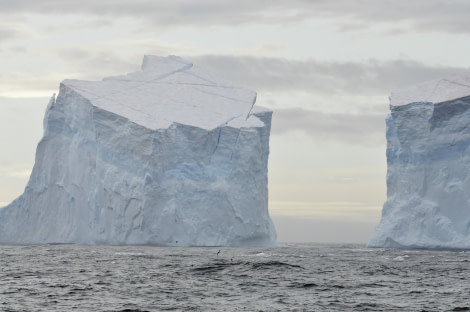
(252, 106)
(213, 83)
(236, 144)
(220, 95)
(431, 95)
(235, 212)
(190, 84)
(220, 84)
(133, 218)
(456, 83)
(217, 143)
(229, 120)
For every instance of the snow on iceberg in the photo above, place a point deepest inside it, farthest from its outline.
(169, 155)
(428, 168)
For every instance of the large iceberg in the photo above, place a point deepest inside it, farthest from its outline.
(169, 155)
(428, 168)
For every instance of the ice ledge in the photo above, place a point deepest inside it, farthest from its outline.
(434, 91)
(171, 90)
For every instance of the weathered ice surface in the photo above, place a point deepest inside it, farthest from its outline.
(428, 168)
(169, 155)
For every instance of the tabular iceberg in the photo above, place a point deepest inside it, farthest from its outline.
(169, 155)
(428, 168)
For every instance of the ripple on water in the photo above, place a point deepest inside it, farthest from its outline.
(291, 277)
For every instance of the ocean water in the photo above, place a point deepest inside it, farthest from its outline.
(290, 277)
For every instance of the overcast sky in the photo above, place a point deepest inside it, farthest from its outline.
(326, 68)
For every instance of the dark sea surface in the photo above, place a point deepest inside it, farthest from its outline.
(290, 277)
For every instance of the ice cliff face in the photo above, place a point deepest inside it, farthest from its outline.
(169, 155)
(428, 161)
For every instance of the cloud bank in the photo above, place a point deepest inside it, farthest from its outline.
(263, 74)
(323, 77)
(423, 15)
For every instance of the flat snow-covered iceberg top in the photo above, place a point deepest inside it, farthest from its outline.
(171, 90)
(434, 91)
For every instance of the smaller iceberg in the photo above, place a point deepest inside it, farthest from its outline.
(428, 168)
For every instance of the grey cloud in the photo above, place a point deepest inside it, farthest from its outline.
(163, 13)
(265, 74)
(425, 15)
(8, 33)
(96, 64)
(365, 129)
(369, 78)
(275, 75)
